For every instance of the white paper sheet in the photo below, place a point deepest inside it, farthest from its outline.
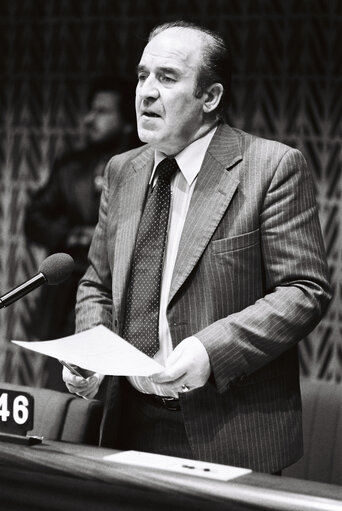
(179, 465)
(98, 349)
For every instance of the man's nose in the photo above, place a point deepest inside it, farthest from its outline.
(89, 117)
(149, 89)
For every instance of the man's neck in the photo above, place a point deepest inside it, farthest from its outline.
(202, 132)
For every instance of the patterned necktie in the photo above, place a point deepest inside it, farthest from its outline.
(141, 326)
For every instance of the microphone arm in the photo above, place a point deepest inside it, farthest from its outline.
(54, 269)
(21, 290)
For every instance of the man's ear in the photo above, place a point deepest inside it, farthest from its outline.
(212, 97)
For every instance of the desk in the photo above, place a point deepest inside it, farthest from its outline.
(59, 476)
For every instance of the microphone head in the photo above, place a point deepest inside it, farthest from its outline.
(56, 268)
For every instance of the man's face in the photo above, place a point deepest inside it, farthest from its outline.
(169, 116)
(104, 121)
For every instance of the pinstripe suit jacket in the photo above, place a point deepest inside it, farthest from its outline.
(250, 281)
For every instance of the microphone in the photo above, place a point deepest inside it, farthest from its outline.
(53, 270)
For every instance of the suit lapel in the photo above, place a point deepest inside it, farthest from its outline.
(213, 192)
(132, 198)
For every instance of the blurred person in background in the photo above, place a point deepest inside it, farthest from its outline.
(62, 214)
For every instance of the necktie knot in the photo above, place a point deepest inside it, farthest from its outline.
(166, 169)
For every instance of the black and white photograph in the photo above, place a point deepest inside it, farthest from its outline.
(170, 255)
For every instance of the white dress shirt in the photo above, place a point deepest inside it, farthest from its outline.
(182, 186)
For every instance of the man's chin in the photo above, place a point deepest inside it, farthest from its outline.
(151, 137)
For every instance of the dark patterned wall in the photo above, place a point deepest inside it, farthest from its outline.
(287, 86)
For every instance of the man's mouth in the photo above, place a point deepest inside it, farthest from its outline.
(150, 114)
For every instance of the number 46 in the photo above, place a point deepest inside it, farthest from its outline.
(20, 408)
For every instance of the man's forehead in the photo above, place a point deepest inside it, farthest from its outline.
(174, 44)
(108, 101)
(106, 97)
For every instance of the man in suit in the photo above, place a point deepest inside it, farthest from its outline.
(244, 274)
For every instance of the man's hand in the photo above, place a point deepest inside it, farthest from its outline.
(187, 366)
(85, 387)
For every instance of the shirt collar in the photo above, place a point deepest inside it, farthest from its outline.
(190, 159)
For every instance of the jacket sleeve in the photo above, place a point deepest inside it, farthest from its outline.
(296, 280)
(94, 296)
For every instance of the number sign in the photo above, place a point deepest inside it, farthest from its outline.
(16, 412)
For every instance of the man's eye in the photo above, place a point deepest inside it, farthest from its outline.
(166, 79)
(142, 77)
